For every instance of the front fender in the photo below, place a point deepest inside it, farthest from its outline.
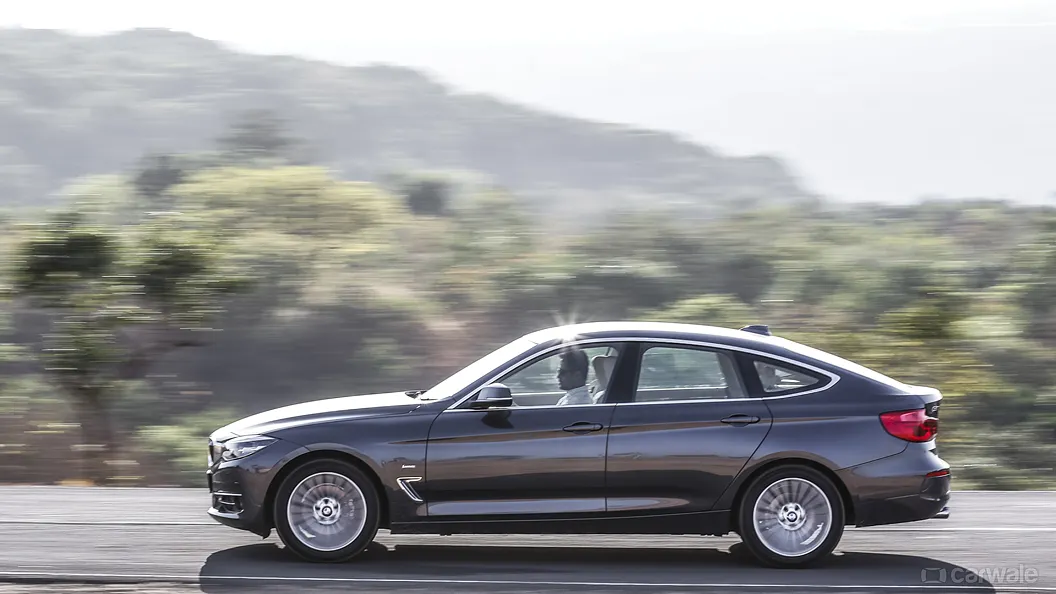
(390, 448)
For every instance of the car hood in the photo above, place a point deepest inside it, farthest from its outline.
(318, 411)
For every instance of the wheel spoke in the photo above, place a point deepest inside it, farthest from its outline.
(326, 511)
(787, 515)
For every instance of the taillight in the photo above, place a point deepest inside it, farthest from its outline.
(910, 425)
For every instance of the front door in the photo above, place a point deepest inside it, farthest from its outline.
(686, 433)
(544, 457)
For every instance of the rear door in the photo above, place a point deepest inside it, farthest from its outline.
(687, 431)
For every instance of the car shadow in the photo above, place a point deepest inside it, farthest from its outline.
(269, 568)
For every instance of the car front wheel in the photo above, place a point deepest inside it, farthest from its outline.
(791, 516)
(327, 510)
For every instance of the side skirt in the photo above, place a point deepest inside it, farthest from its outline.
(712, 523)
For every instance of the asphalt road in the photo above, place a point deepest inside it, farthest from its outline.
(154, 541)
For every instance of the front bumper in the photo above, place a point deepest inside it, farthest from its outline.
(238, 490)
(908, 487)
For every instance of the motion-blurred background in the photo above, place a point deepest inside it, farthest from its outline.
(210, 209)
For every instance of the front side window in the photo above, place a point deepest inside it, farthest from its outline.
(775, 378)
(568, 376)
(683, 373)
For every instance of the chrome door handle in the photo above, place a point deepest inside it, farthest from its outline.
(582, 427)
(740, 420)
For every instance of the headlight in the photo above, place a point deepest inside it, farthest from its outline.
(216, 450)
(240, 447)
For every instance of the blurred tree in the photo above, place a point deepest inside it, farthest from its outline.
(710, 310)
(301, 201)
(427, 196)
(258, 135)
(11, 353)
(819, 284)
(120, 303)
(747, 276)
(156, 175)
(930, 318)
(366, 287)
(1038, 296)
(175, 444)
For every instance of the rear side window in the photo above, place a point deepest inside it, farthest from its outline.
(776, 378)
(680, 373)
(835, 361)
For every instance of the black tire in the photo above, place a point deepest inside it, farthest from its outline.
(803, 477)
(347, 471)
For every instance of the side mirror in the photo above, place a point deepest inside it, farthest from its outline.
(493, 396)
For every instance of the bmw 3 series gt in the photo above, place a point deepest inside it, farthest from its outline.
(616, 428)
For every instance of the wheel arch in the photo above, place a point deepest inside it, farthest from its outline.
(324, 454)
(841, 488)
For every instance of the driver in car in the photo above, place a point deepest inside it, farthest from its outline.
(572, 378)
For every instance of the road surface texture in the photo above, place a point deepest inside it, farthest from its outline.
(159, 541)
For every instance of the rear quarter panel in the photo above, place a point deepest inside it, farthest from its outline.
(837, 428)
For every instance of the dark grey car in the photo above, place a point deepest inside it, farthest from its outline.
(616, 427)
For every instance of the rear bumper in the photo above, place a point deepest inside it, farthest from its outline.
(898, 488)
(906, 508)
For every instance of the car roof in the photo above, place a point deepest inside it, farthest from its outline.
(651, 329)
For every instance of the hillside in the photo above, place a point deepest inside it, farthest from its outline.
(72, 106)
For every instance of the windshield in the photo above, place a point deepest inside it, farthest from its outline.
(469, 374)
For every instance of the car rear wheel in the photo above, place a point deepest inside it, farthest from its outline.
(327, 510)
(791, 516)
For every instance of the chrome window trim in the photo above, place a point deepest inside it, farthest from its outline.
(702, 343)
(540, 407)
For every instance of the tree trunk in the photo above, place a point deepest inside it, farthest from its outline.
(97, 436)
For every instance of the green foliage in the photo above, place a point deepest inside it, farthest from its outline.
(62, 256)
(710, 310)
(177, 446)
(297, 200)
(160, 278)
(930, 318)
(754, 274)
(325, 286)
(328, 287)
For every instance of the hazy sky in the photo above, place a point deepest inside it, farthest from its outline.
(882, 100)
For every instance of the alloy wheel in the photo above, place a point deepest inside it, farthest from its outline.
(326, 511)
(792, 517)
